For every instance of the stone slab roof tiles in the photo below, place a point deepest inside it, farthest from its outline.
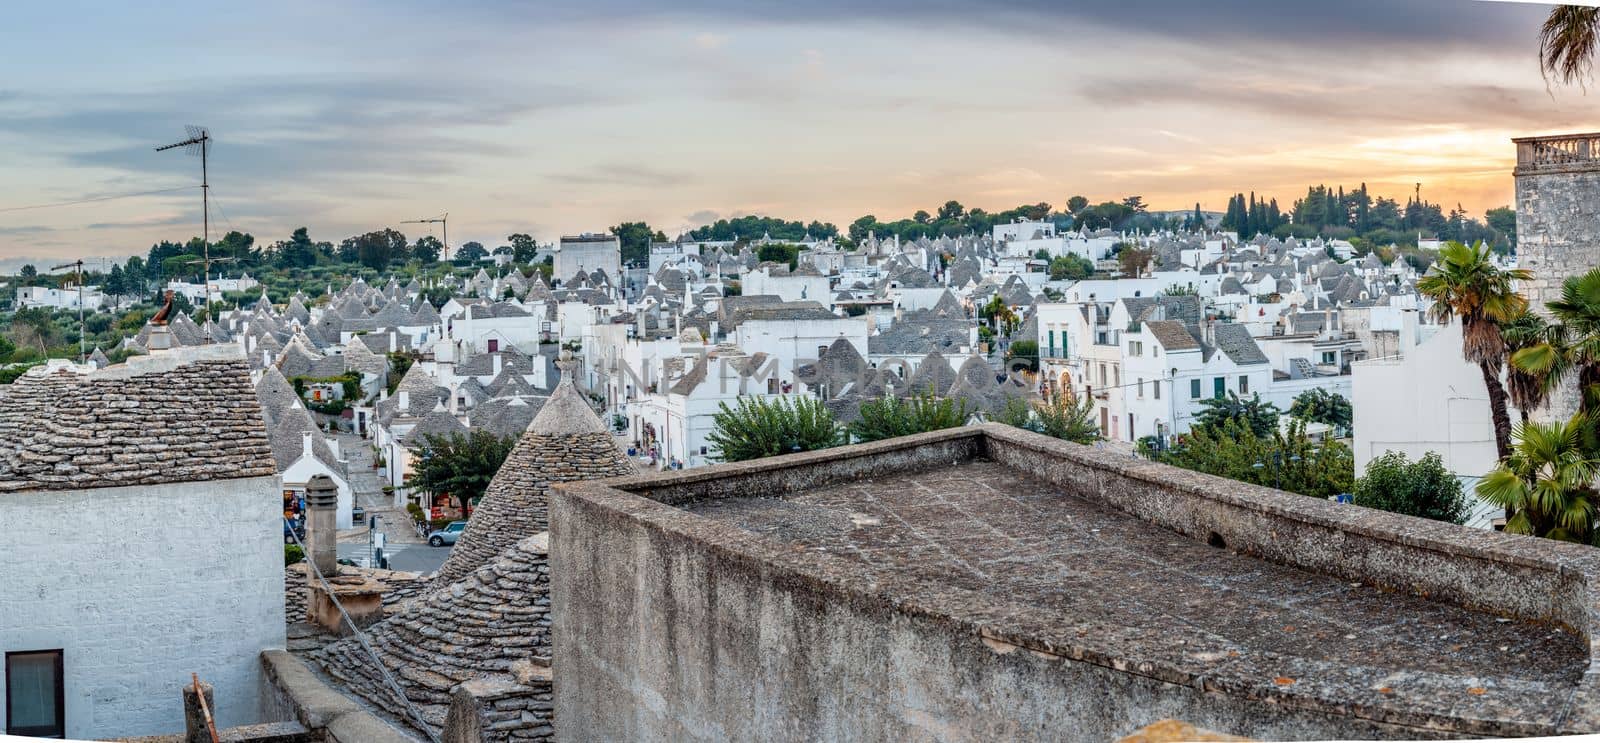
(142, 424)
(476, 628)
(565, 442)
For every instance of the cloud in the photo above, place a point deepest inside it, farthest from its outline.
(704, 216)
(638, 176)
(710, 41)
(27, 229)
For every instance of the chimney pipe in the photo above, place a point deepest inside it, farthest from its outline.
(322, 501)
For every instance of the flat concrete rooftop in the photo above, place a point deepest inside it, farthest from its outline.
(1101, 573)
(1145, 591)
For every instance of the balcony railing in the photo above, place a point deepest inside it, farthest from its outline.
(1562, 152)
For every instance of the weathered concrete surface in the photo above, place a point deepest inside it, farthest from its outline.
(320, 708)
(672, 624)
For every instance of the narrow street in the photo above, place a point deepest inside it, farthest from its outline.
(405, 549)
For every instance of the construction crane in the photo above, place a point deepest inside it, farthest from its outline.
(77, 266)
(443, 221)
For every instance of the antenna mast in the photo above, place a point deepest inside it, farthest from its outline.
(83, 355)
(199, 143)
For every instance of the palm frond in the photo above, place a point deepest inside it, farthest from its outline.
(1567, 43)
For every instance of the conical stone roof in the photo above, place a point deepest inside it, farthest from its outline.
(478, 627)
(565, 442)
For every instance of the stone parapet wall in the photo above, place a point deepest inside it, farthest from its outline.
(670, 625)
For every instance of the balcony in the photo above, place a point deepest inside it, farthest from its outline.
(1562, 153)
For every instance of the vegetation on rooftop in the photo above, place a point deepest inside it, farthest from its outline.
(754, 428)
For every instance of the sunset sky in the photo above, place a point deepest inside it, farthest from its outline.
(554, 118)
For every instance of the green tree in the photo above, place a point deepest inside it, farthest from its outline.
(1023, 354)
(28, 274)
(469, 253)
(1132, 260)
(757, 428)
(1077, 204)
(951, 210)
(1321, 406)
(1063, 417)
(523, 247)
(1290, 460)
(1260, 417)
(889, 417)
(375, 250)
(1422, 488)
(1071, 268)
(1527, 390)
(427, 249)
(1503, 220)
(460, 465)
(1570, 348)
(635, 238)
(1546, 485)
(780, 253)
(1466, 284)
(6, 349)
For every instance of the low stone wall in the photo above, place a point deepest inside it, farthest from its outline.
(322, 709)
(673, 626)
(498, 710)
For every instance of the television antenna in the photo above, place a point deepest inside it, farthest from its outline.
(198, 144)
(206, 280)
(444, 221)
(77, 266)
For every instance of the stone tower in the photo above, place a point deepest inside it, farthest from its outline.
(1558, 211)
(1558, 223)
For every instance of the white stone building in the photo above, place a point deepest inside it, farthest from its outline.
(146, 521)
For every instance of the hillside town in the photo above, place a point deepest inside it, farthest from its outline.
(663, 465)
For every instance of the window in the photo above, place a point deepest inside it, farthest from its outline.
(1244, 385)
(1103, 375)
(1194, 389)
(772, 386)
(1219, 387)
(1141, 388)
(1156, 386)
(1329, 358)
(35, 697)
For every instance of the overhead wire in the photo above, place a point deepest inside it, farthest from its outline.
(95, 199)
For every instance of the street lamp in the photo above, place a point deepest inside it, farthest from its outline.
(1278, 462)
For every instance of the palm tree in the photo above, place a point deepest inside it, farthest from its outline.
(1546, 485)
(1570, 345)
(1527, 388)
(1567, 43)
(1465, 284)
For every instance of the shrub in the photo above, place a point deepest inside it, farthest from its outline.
(757, 428)
(1023, 355)
(889, 417)
(292, 554)
(1422, 488)
(1064, 417)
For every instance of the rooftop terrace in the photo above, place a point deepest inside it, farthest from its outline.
(1167, 592)
(1145, 592)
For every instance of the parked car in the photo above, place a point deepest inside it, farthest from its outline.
(448, 535)
(293, 528)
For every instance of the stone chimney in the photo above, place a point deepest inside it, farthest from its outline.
(160, 338)
(394, 342)
(497, 362)
(305, 444)
(405, 399)
(1408, 331)
(322, 502)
